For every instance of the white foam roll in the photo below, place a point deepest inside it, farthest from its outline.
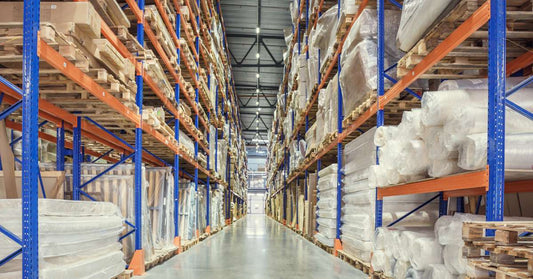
(437, 271)
(440, 168)
(384, 134)
(453, 259)
(413, 158)
(400, 269)
(381, 262)
(518, 151)
(425, 251)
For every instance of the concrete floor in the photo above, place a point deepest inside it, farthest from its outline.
(256, 247)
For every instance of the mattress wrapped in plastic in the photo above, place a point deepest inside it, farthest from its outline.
(117, 187)
(188, 210)
(417, 17)
(327, 204)
(77, 239)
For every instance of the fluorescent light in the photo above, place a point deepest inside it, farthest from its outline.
(257, 90)
(257, 75)
(257, 55)
(257, 30)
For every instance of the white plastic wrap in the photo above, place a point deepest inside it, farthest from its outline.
(478, 84)
(357, 248)
(425, 251)
(448, 229)
(324, 35)
(437, 271)
(413, 158)
(400, 269)
(384, 134)
(417, 17)
(77, 239)
(454, 260)
(382, 262)
(518, 152)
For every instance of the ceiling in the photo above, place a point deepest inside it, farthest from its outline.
(241, 18)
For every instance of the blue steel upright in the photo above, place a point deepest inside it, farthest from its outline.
(138, 143)
(378, 222)
(76, 160)
(339, 144)
(496, 119)
(197, 46)
(177, 241)
(30, 165)
(60, 147)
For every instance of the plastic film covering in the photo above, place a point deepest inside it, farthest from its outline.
(118, 187)
(324, 34)
(186, 141)
(187, 213)
(161, 205)
(327, 205)
(437, 271)
(76, 239)
(417, 16)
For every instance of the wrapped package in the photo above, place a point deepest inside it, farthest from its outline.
(77, 239)
(161, 205)
(417, 16)
(327, 204)
(437, 271)
(518, 151)
(325, 33)
(478, 84)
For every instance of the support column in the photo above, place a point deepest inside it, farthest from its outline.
(76, 160)
(30, 165)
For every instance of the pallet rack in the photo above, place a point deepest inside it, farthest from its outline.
(489, 181)
(93, 131)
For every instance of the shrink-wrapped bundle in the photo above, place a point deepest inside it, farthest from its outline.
(400, 269)
(77, 239)
(425, 251)
(325, 33)
(384, 134)
(327, 204)
(478, 84)
(381, 262)
(413, 158)
(417, 16)
(437, 271)
(518, 151)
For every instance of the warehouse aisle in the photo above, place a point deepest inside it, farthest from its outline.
(256, 247)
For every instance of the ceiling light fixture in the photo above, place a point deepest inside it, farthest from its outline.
(257, 75)
(257, 30)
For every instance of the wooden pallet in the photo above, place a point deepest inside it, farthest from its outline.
(473, 53)
(126, 274)
(188, 244)
(354, 261)
(159, 258)
(510, 254)
(322, 246)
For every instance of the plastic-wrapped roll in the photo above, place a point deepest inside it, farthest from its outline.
(384, 134)
(440, 168)
(377, 176)
(425, 251)
(417, 17)
(400, 269)
(435, 137)
(407, 241)
(413, 158)
(382, 262)
(437, 105)
(410, 127)
(453, 259)
(414, 274)
(477, 84)
(518, 151)
(437, 271)
(467, 119)
(448, 229)
(380, 238)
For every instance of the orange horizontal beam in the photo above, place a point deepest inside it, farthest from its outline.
(57, 61)
(135, 9)
(166, 20)
(460, 181)
(520, 63)
(510, 187)
(17, 126)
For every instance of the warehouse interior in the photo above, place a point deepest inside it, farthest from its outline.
(266, 139)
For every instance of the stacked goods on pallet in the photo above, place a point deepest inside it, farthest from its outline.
(426, 252)
(297, 150)
(322, 38)
(309, 222)
(118, 187)
(76, 239)
(187, 211)
(161, 205)
(217, 213)
(358, 78)
(327, 114)
(359, 200)
(417, 17)
(327, 205)
(75, 28)
(448, 135)
(202, 208)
